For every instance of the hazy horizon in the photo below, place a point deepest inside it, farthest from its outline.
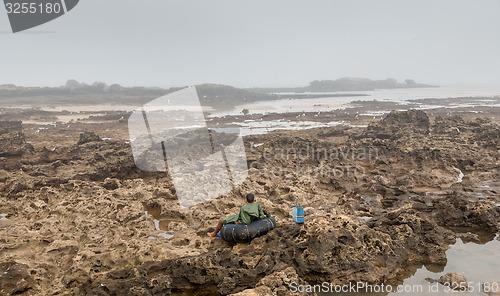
(109, 83)
(284, 43)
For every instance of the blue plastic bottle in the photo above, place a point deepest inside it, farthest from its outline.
(298, 214)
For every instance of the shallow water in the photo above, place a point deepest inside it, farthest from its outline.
(262, 127)
(159, 224)
(478, 262)
(394, 95)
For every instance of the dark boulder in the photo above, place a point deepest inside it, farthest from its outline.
(87, 137)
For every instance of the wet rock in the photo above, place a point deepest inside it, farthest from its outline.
(259, 291)
(111, 184)
(15, 278)
(396, 124)
(416, 118)
(87, 137)
(279, 282)
(3, 175)
(455, 281)
(8, 126)
(75, 278)
(457, 211)
(120, 284)
(14, 145)
(489, 137)
(15, 188)
(276, 283)
(469, 237)
(449, 125)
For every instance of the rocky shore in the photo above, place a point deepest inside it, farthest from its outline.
(78, 216)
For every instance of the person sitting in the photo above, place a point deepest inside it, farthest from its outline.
(248, 213)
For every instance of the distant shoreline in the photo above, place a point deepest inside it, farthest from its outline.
(216, 96)
(317, 96)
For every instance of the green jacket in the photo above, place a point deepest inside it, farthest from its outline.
(248, 213)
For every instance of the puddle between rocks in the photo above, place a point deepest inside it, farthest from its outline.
(250, 127)
(160, 225)
(477, 261)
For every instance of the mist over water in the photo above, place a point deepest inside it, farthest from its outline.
(279, 43)
(401, 96)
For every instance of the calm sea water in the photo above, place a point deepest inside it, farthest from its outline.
(395, 95)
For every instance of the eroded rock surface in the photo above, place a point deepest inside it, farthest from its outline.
(81, 216)
(455, 281)
(88, 137)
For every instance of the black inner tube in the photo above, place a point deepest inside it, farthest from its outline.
(241, 233)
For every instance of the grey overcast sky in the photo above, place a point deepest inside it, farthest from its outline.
(257, 43)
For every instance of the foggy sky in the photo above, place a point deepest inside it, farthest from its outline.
(257, 43)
